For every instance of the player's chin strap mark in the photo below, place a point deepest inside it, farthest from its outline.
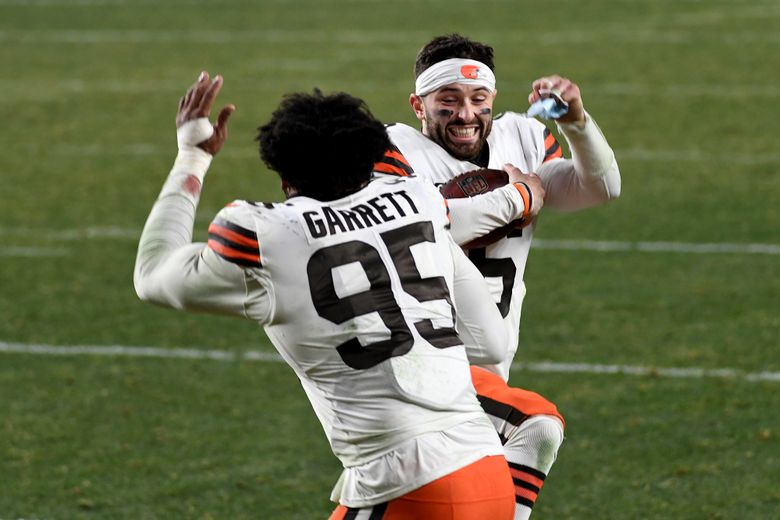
(454, 70)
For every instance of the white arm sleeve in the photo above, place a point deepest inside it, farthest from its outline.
(172, 271)
(479, 322)
(591, 177)
(473, 217)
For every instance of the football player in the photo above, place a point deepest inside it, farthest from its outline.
(453, 99)
(356, 282)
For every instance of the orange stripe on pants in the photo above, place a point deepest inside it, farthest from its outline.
(490, 385)
(480, 491)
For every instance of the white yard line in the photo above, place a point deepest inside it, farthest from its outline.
(633, 154)
(74, 234)
(271, 357)
(696, 156)
(608, 33)
(692, 90)
(767, 4)
(655, 247)
(32, 252)
(126, 233)
(634, 370)
(26, 89)
(156, 3)
(205, 37)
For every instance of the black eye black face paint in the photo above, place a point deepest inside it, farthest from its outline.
(444, 113)
(485, 111)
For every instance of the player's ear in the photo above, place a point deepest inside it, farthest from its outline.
(417, 105)
(288, 190)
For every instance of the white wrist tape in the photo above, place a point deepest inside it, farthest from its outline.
(193, 132)
(454, 70)
(192, 160)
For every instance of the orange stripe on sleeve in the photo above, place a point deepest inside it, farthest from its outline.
(389, 168)
(525, 193)
(232, 236)
(552, 148)
(394, 163)
(557, 154)
(232, 254)
(398, 156)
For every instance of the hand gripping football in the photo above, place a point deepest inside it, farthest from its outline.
(477, 182)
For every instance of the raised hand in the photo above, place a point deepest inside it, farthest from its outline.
(197, 103)
(563, 88)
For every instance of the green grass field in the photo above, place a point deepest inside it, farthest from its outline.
(686, 92)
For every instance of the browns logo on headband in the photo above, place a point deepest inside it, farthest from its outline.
(469, 71)
(454, 70)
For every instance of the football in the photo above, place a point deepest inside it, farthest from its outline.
(477, 182)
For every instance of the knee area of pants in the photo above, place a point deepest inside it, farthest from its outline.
(543, 432)
(535, 443)
(549, 432)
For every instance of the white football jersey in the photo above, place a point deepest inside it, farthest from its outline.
(527, 144)
(358, 295)
(361, 308)
(514, 139)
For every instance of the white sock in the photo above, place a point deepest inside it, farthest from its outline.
(530, 450)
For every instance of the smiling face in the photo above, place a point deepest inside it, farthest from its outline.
(458, 117)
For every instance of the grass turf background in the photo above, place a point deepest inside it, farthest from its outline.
(686, 92)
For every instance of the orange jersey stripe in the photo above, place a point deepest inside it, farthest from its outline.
(558, 153)
(231, 253)
(552, 149)
(389, 168)
(525, 193)
(232, 236)
(398, 156)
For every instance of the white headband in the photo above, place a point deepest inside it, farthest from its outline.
(454, 70)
